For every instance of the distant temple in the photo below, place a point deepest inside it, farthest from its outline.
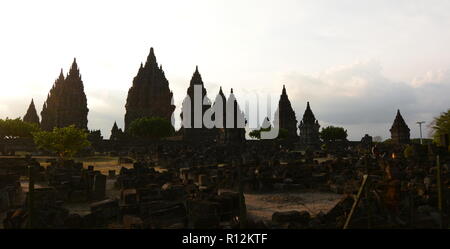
(220, 110)
(309, 128)
(197, 129)
(116, 133)
(66, 102)
(235, 132)
(399, 130)
(285, 115)
(149, 96)
(31, 115)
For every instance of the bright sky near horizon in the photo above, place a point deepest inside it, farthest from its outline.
(357, 62)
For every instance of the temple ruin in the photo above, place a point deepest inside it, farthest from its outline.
(66, 102)
(150, 95)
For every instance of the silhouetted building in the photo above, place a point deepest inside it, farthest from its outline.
(95, 136)
(193, 127)
(309, 128)
(116, 133)
(149, 96)
(285, 115)
(235, 131)
(220, 115)
(31, 115)
(66, 102)
(399, 130)
(366, 141)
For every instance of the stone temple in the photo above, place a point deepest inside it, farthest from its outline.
(66, 102)
(220, 110)
(285, 115)
(31, 115)
(149, 96)
(399, 130)
(309, 128)
(191, 130)
(234, 132)
(228, 132)
(116, 133)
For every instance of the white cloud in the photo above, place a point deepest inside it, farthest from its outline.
(359, 96)
(439, 76)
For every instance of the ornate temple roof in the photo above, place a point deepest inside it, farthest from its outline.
(308, 115)
(399, 122)
(31, 115)
(149, 95)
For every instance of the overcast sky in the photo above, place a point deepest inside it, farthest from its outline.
(357, 62)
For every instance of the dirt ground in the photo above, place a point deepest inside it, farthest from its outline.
(262, 206)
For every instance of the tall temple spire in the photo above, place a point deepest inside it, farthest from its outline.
(308, 115)
(66, 102)
(74, 66)
(196, 78)
(221, 95)
(116, 133)
(74, 72)
(285, 115)
(151, 59)
(60, 78)
(399, 121)
(193, 127)
(309, 128)
(220, 109)
(149, 95)
(61, 75)
(31, 115)
(235, 131)
(400, 132)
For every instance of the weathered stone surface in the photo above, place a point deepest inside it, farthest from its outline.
(285, 115)
(399, 130)
(309, 128)
(31, 115)
(99, 190)
(66, 102)
(149, 96)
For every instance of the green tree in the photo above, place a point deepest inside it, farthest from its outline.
(14, 128)
(332, 133)
(282, 133)
(441, 125)
(151, 128)
(66, 142)
(387, 141)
